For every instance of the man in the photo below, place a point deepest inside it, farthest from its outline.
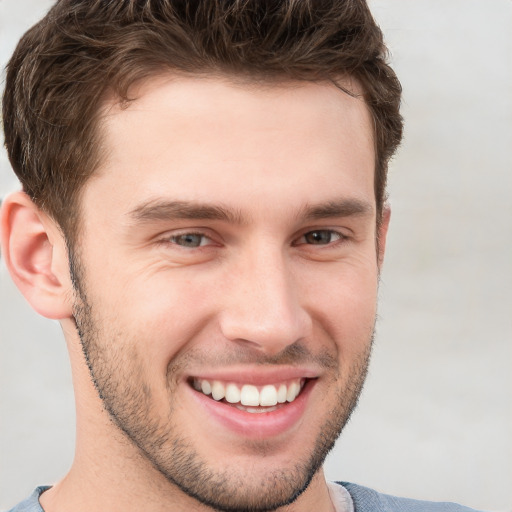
(204, 213)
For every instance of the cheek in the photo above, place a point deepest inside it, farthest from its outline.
(164, 313)
(344, 304)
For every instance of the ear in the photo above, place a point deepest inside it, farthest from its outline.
(382, 234)
(36, 256)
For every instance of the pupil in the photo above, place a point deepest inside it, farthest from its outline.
(190, 240)
(318, 237)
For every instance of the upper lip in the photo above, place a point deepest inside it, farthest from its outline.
(256, 376)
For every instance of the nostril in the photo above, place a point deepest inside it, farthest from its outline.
(247, 344)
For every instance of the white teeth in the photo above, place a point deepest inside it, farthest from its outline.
(293, 391)
(255, 410)
(218, 391)
(206, 387)
(281, 394)
(232, 394)
(268, 396)
(249, 396)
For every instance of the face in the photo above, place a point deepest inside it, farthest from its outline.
(227, 274)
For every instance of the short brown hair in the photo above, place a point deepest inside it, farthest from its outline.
(65, 65)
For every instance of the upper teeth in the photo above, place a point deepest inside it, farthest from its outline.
(250, 395)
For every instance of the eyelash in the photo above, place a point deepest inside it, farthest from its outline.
(340, 237)
(302, 240)
(172, 239)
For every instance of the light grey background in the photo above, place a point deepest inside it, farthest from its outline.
(435, 419)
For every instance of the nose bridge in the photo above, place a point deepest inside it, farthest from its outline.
(263, 306)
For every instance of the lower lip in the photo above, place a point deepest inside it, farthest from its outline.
(256, 425)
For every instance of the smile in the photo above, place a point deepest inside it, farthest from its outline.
(248, 397)
(251, 403)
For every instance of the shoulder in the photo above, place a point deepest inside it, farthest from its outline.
(368, 500)
(31, 504)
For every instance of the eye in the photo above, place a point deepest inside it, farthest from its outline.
(320, 237)
(190, 240)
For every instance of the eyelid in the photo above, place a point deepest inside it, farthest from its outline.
(203, 240)
(339, 233)
(167, 237)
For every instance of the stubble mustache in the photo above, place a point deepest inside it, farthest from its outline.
(295, 354)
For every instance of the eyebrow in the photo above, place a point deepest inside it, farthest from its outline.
(186, 210)
(162, 210)
(337, 208)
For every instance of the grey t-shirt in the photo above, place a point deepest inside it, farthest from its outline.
(339, 496)
(31, 504)
(346, 497)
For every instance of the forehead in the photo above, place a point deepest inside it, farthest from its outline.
(210, 138)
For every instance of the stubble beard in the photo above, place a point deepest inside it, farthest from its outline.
(127, 398)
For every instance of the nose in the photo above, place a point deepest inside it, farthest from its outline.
(263, 304)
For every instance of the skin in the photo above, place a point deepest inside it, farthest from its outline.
(275, 185)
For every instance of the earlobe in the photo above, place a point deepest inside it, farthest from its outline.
(36, 256)
(382, 234)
